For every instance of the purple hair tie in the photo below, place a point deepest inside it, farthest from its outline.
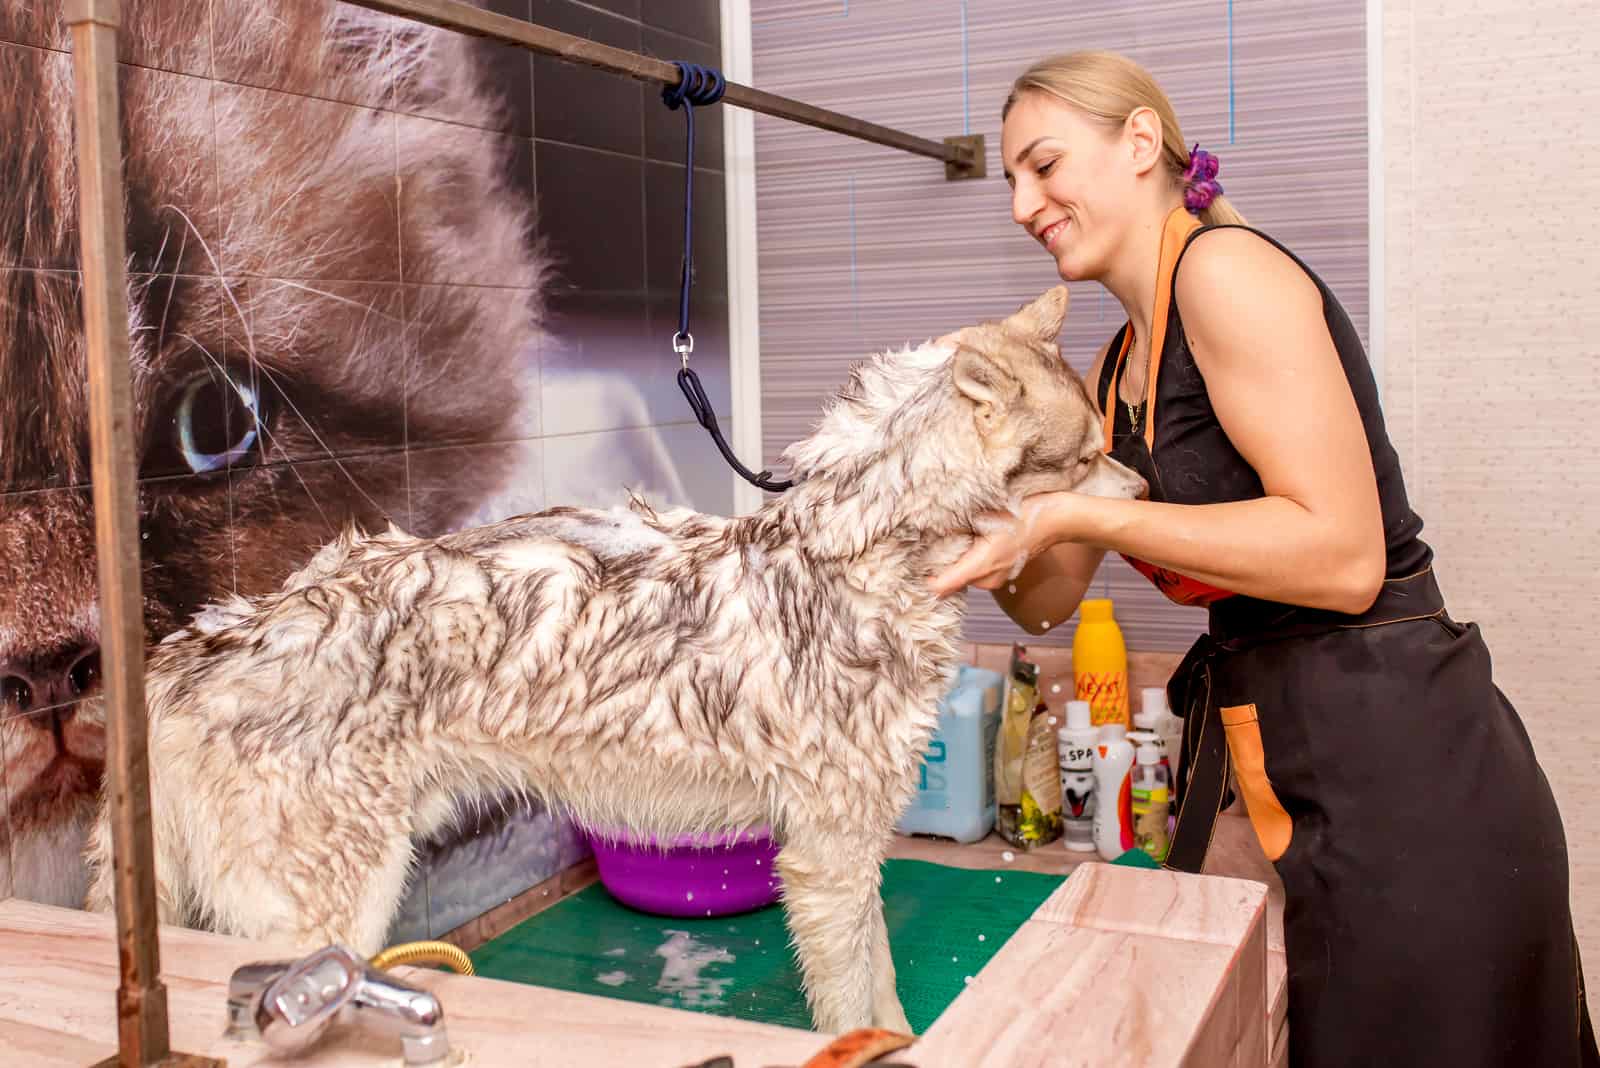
(1200, 185)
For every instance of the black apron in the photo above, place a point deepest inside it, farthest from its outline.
(1427, 920)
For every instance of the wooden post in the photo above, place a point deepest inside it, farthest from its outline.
(143, 1038)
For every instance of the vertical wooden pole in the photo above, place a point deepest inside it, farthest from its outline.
(142, 1035)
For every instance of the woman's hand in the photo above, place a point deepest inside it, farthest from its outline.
(1006, 542)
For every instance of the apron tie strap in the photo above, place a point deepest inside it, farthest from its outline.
(1201, 790)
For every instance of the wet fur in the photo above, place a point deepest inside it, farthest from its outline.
(241, 261)
(668, 672)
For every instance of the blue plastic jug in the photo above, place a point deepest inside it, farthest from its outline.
(955, 785)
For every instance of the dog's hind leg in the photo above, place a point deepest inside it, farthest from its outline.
(831, 902)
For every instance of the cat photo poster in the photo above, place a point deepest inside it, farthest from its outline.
(362, 289)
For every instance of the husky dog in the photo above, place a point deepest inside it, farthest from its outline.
(278, 365)
(669, 672)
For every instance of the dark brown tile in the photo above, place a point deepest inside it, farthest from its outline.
(472, 365)
(664, 197)
(626, 8)
(320, 370)
(582, 105)
(459, 486)
(283, 512)
(321, 48)
(172, 35)
(466, 205)
(592, 214)
(699, 19)
(497, 91)
(306, 187)
(169, 165)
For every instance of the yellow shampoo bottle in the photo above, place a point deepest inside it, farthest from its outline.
(1100, 664)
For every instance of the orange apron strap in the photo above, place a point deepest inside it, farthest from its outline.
(1116, 376)
(1179, 225)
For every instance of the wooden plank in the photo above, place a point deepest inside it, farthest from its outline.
(1165, 903)
(45, 1047)
(1072, 985)
(1062, 996)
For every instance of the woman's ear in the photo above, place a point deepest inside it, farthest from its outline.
(1142, 132)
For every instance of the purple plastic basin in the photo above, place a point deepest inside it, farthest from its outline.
(690, 875)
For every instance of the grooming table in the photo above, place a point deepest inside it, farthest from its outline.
(1117, 966)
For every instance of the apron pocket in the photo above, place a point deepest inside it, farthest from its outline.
(1272, 825)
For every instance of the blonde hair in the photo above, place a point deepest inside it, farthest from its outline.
(1110, 87)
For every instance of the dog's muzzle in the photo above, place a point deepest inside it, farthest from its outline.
(291, 1004)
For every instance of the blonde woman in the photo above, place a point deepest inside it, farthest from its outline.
(1388, 779)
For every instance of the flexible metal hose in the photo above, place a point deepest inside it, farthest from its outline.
(425, 953)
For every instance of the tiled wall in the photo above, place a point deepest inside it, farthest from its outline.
(863, 248)
(1491, 173)
(338, 316)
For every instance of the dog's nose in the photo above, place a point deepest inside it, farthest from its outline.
(50, 686)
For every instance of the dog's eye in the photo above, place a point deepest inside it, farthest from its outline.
(1085, 461)
(210, 422)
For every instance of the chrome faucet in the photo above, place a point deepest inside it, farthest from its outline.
(291, 1004)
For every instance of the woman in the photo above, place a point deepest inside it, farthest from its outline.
(1393, 786)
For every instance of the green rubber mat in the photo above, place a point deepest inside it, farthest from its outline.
(944, 925)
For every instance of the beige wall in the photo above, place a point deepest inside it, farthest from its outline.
(1491, 219)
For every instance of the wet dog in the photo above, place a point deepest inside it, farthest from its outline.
(669, 672)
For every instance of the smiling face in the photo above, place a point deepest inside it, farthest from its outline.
(1075, 182)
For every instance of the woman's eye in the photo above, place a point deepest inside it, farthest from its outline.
(211, 422)
(1044, 169)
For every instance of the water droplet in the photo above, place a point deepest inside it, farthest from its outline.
(996, 879)
(982, 938)
(690, 895)
(966, 980)
(724, 886)
(1056, 688)
(1045, 624)
(758, 941)
(954, 960)
(1012, 588)
(1008, 857)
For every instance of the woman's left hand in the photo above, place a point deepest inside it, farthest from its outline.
(1005, 543)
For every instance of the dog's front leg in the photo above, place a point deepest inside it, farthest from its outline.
(831, 901)
(887, 1012)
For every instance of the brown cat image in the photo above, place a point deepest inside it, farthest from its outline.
(332, 282)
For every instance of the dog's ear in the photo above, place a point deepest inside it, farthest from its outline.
(987, 383)
(1043, 317)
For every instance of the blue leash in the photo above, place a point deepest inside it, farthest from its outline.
(702, 86)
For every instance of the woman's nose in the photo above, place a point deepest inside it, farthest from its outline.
(1025, 203)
